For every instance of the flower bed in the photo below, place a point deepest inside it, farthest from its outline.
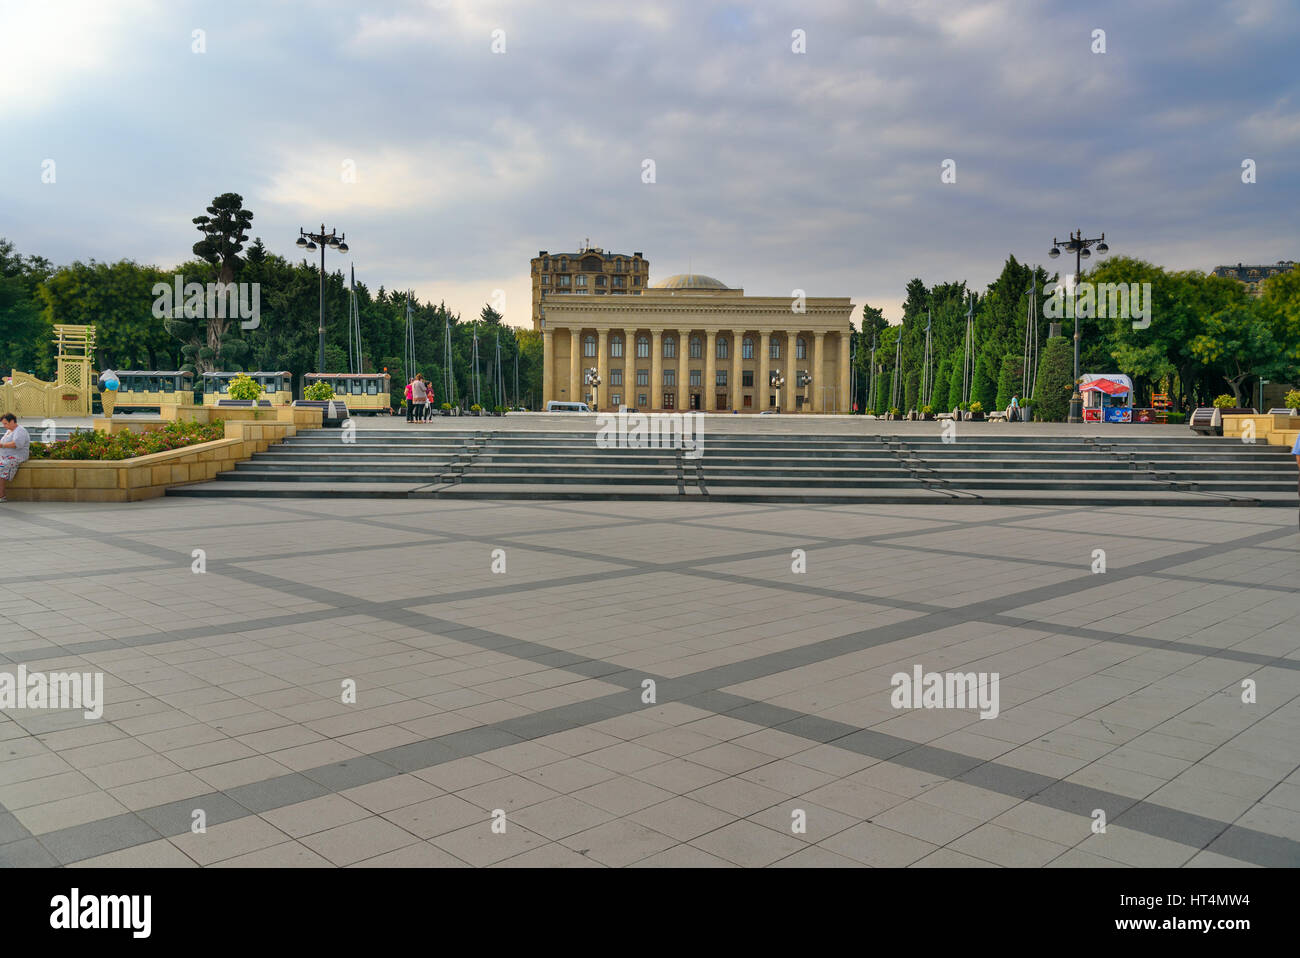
(100, 446)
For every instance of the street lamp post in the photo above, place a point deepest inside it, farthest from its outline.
(1080, 247)
(593, 383)
(309, 241)
(776, 381)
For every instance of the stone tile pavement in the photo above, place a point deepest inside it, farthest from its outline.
(517, 695)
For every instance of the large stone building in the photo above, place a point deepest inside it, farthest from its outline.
(1252, 276)
(591, 272)
(689, 342)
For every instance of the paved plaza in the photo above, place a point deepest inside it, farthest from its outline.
(650, 684)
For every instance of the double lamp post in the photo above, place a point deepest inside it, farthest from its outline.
(1080, 247)
(309, 241)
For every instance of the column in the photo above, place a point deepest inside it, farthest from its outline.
(819, 357)
(602, 367)
(629, 368)
(575, 367)
(791, 373)
(710, 371)
(656, 369)
(737, 370)
(684, 369)
(761, 386)
(845, 404)
(548, 363)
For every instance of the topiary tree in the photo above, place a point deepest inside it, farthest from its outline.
(206, 341)
(1055, 381)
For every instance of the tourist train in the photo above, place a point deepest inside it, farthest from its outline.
(155, 389)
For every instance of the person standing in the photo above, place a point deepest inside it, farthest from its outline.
(428, 401)
(418, 395)
(14, 448)
(410, 401)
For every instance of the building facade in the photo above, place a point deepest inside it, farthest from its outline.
(1253, 276)
(691, 343)
(589, 272)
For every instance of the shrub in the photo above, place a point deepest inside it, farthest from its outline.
(476, 408)
(1225, 402)
(244, 387)
(894, 411)
(1293, 399)
(1176, 417)
(977, 406)
(869, 412)
(86, 444)
(446, 406)
(927, 410)
(318, 390)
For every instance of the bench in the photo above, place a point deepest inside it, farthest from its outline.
(333, 412)
(1206, 421)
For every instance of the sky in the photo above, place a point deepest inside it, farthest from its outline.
(449, 163)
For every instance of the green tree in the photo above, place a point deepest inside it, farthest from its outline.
(1055, 382)
(1239, 343)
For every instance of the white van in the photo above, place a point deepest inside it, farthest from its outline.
(555, 406)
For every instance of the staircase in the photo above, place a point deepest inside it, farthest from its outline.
(526, 464)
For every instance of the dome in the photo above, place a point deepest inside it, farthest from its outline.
(688, 281)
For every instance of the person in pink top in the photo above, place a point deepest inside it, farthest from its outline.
(410, 401)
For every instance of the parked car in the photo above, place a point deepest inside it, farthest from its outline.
(556, 406)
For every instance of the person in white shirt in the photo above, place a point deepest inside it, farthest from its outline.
(14, 445)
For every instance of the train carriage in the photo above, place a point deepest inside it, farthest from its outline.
(154, 388)
(361, 392)
(277, 387)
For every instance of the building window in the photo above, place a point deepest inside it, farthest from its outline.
(546, 262)
(564, 264)
(589, 345)
(697, 348)
(771, 400)
(670, 347)
(616, 377)
(641, 401)
(774, 349)
(564, 281)
(722, 378)
(546, 279)
(600, 281)
(747, 379)
(696, 378)
(615, 399)
(643, 377)
(670, 377)
(616, 347)
(643, 347)
(636, 281)
(722, 348)
(670, 401)
(620, 282)
(747, 348)
(582, 281)
(800, 348)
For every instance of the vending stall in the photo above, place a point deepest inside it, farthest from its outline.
(1107, 397)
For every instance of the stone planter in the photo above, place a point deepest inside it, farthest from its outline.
(977, 417)
(927, 417)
